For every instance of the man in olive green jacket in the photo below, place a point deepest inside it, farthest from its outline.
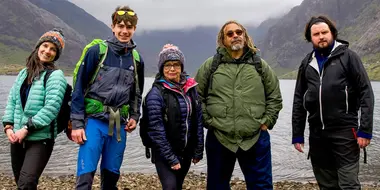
(241, 100)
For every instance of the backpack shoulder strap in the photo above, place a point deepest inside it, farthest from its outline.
(47, 75)
(136, 61)
(255, 60)
(161, 88)
(102, 45)
(210, 74)
(215, 62)
(136, 55)
(103, 49)
(164, 94)
(258, 64)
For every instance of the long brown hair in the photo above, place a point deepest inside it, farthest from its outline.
(35, 66)
(248, 39)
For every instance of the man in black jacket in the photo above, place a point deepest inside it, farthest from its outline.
(331, 86)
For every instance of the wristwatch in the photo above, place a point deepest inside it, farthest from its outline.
(25, 127)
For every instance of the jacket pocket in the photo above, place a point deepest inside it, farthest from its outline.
(217, 110)
(257, 111)
(257, 114)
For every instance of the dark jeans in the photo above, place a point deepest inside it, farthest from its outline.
(255, 163)
(171, 179)
(335, 159)
(29, 160)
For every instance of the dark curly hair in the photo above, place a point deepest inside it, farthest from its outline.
(320, 19)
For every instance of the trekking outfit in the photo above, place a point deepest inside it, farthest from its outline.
(178, 136)
(35, 107)
(172, 124)
(237, 99)
(332, 87)
(106, 94)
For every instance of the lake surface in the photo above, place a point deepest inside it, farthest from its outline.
(288, 164)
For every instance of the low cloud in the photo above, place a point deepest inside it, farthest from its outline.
(176, 14)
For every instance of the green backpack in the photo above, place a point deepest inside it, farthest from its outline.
(103, 49)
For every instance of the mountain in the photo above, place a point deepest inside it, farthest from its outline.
(280, 40)
(23, 22)
(197, 44)
(357, 21)
(261, 31)
(76, 18)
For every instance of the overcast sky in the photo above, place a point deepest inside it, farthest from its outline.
(165, 14)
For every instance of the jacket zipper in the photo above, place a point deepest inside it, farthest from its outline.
(346, 91)
(304, 99)
(320, 99)
(187, 116)
(121, 64)
(187, 113)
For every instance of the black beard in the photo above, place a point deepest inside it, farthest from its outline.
(326, 50)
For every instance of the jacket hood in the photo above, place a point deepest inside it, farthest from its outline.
(185, 84)
(339, 47)
(226, 57)
(120, 47)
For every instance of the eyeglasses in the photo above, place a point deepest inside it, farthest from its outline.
(121, 13)
(169, 66)
(238, 32)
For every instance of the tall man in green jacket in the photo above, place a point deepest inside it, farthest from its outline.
(241, 100)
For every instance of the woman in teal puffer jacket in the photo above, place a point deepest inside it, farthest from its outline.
(31, 110)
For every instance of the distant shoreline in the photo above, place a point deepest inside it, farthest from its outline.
(1, 74)
(15, 69)
(15, 74)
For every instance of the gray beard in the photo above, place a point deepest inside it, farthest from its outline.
(237, 47)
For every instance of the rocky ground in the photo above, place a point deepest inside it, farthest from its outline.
(136, 181)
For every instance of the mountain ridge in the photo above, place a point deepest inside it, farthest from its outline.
(280, 40)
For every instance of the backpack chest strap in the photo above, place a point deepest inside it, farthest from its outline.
(114, 117)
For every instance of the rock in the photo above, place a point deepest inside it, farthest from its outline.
(138, 181)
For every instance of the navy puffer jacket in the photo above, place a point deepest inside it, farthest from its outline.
(185, 134)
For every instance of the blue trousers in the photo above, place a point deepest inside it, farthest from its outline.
(255, 163)
(99, 143)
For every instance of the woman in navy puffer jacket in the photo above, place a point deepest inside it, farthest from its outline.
(175, 119)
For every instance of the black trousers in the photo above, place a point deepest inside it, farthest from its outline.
(29, 160)
(335, 158)
(171, 179)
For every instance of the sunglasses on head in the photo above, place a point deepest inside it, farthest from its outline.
(121, 13)
(238, 32)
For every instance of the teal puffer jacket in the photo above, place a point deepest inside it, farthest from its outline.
(42, 105)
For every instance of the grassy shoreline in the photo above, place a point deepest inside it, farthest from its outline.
(139, 181)
(10, 69)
